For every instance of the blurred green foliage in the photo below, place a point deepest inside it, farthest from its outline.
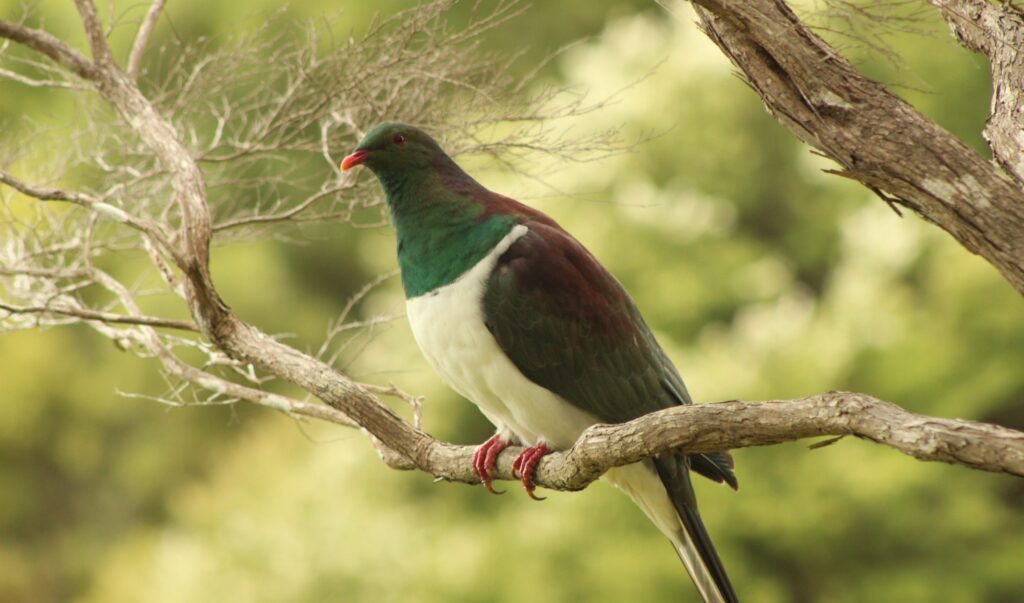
(762, 276)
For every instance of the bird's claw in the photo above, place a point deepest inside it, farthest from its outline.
(485, 461)
(526, 464)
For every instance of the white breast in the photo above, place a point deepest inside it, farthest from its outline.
(448, 325)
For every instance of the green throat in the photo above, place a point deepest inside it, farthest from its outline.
(442, 233)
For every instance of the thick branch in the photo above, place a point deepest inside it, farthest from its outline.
(248, 344)
(878, 138)
(730, 425)
(997, 31)
(57, 50)
(186, 179)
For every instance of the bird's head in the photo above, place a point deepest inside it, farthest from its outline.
(392, 149)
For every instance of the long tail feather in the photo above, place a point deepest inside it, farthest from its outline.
(693, 542)
(663, 490)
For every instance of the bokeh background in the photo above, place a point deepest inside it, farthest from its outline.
(762, 276)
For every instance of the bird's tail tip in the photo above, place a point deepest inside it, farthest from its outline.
(702, 562)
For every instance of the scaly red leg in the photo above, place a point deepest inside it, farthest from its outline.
(525, 465)
(485, 459)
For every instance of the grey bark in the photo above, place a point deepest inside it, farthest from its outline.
(879, 139)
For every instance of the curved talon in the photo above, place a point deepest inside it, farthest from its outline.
(526, 464)
(485, 460)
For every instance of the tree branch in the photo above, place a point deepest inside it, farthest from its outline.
(35, 83)
(107, 317)
(282, 216)
(731, 425)
(139, 47)
(113, 212)
(997, 31)
(94, 32)
(876, 137)
(43, 42)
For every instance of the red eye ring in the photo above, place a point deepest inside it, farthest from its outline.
(398, 139)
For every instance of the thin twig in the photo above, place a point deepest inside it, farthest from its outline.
(139, 47)
(107, 317)
(87, 201)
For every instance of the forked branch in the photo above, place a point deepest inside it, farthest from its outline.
(879, 139)
(997, 31)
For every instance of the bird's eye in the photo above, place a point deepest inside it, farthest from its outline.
(398, 139)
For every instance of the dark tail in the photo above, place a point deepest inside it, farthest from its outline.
(716, 466)
(694, 544)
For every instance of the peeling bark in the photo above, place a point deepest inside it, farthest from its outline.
(879, 139)
(997, 31)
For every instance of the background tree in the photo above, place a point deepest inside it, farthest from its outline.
(262, 139)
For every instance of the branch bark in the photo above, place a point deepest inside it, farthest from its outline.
(877, 138)
(997, 31)
(730, 425)
(94, 32)
(52, 47)
(142, 37)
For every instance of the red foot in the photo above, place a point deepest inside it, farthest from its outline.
(525, 465)
(485, 458)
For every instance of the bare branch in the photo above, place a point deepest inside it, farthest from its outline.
(50, 46)
(139, 47)
(87, 201)
(876, 137)
(414, 402)
(731, 425)
(171, 363)
(47, 194)
(996, 30)
(107, 317)
(53, 273)
(36, 83)
(282, 216)
(94, 31)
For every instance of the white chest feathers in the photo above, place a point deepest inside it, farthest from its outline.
(448, 325)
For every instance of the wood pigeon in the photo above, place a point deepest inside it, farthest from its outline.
(519, 318)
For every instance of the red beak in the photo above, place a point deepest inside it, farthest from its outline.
(353, 160)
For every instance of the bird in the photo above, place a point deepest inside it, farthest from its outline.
(518, 317)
